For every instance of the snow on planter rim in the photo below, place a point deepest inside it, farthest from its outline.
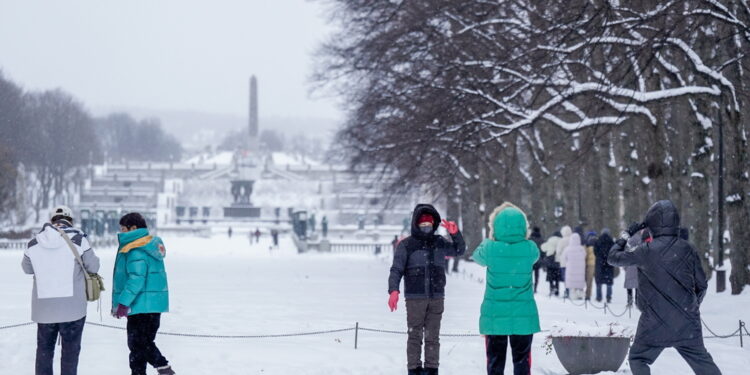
(573, 329)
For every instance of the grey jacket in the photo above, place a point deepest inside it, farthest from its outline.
(48, 246)
(420, 259)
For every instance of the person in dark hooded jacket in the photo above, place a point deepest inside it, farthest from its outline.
(604, 274)
(671, 286)
(420, 260)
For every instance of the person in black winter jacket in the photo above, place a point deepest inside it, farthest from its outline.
(536, 236)
(420, 260)
(604, 273)
(671, 286)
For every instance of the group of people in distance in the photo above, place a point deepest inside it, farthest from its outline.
(666, 268)
(59, 301)
(579, 262)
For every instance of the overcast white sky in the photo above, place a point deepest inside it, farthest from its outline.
(168, 54)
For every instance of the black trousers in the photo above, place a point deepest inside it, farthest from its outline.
(46, 337)
(697, 357)
(497, 347)
(142, 330)
(536, 278)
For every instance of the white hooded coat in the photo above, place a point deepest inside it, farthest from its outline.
(550, 247)
(562, 245)
(575, 259)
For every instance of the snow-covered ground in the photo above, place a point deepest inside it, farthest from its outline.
(227, 287)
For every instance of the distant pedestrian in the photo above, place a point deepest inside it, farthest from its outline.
(140, 292)
(324, 226)
(394, 243)
(312, 222)
(257, 235)
(589, 245)
(536, 237)
(229, 232)
(58, 299)
(604, 273)
(671, 289)
(561, 246)
(575, 273)
(552, 263)
(275, 237)
(509, 312)
(420, 261)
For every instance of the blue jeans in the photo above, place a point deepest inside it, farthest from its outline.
(599, 292)
(46, 337)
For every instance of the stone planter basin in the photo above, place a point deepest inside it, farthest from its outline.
(591, 355)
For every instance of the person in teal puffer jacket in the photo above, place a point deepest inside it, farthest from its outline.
(509, 312)
(140, 292)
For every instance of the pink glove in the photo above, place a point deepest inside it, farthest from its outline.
(122, 311)
(450, 226)
(393, 300)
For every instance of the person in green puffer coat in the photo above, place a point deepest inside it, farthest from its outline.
(509, 312)
(140, 292)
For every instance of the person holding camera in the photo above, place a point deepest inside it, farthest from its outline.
(671, 287)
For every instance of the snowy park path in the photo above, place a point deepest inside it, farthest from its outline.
(227, 287)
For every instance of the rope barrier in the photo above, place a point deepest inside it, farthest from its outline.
(16, 325)
(602, 307)
(405, 333)
(192, 335)
(273, 335)
(357, 328)
(627, 308)
(715, 335)
(573, 303)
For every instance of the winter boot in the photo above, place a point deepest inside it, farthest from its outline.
(430, 371)
(166, 370)
(416, 371)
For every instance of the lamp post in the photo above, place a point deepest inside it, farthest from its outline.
(721, 282)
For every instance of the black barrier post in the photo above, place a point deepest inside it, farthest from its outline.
(742, 326)
(356, 335)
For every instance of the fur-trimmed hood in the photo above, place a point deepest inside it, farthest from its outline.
(508, 223)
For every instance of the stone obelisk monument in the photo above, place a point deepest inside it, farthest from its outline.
(245, 169)
(252, 120)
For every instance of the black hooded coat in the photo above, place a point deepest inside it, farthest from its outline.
(671, 282)
(604, 273)
(420, 258)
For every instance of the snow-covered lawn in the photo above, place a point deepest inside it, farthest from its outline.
(227, 287)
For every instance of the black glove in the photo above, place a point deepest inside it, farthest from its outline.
(635, 228)
(621, 242)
